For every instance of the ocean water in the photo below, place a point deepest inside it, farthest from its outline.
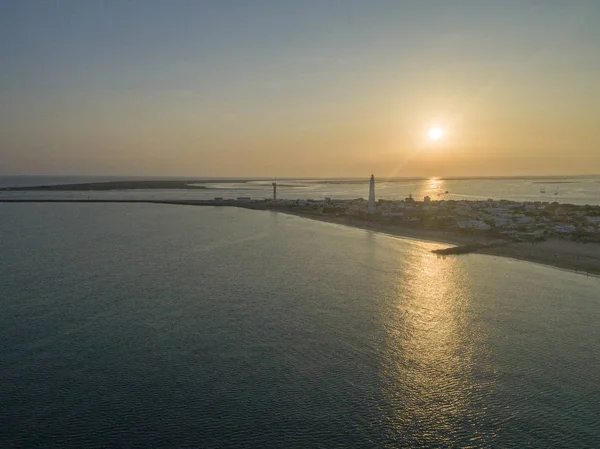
(580, 190)
(173, 326)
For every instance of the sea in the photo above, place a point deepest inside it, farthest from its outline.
(147, 325)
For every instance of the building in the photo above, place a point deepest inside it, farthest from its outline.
(372, 208)
(473, 224)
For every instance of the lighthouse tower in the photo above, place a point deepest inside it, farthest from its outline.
(372, 208)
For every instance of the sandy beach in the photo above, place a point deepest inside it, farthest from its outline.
(579, 257)
(393, 229)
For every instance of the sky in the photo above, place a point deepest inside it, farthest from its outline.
(289, 88)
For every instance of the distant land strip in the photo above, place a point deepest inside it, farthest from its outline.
(115, 185)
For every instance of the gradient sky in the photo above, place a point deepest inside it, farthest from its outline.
(288, 88)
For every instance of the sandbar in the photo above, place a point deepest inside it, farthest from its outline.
(579, 257)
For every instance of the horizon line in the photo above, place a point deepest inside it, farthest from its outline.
(318, 178)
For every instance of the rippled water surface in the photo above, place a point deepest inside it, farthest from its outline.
(169, 326)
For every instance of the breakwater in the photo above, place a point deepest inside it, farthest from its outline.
(470, 248)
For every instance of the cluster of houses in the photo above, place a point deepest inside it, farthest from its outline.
(522, 220)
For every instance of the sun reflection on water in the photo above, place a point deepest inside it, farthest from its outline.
(428, 380)
(434, 187)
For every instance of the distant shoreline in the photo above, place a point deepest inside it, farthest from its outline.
(583, 258)
(114, 185)
(171, 183)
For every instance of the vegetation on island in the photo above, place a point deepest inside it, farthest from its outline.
(115, 185)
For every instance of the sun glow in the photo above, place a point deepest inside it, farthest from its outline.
(435, 133)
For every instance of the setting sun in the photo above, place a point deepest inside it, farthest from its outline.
(435, 133)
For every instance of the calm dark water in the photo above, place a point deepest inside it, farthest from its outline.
(166, 326)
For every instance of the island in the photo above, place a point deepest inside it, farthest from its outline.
(114, 185)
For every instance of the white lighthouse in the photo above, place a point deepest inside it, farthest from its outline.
(372, 207)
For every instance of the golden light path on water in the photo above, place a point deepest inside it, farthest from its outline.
(431, 342)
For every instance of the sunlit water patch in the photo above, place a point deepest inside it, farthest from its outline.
(147, 326)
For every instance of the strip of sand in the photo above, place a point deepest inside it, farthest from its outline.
(114, 185)
(408, 231)
(579, 257)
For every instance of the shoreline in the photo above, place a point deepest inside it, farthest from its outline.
(442, 237)
(580, 258)
(113, 185)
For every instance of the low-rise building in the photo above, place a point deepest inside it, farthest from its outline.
(564, 229)
(473, 224)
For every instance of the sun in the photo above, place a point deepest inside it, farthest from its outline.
(435, 133)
